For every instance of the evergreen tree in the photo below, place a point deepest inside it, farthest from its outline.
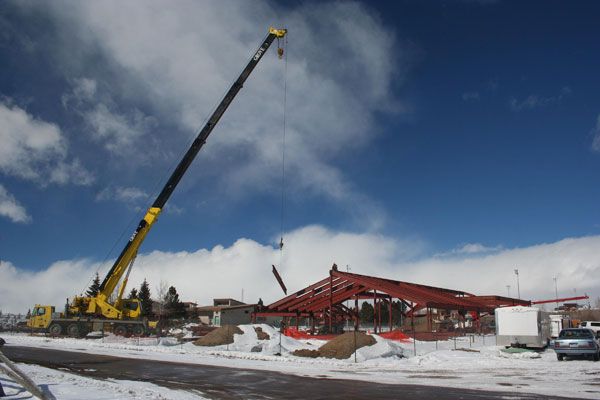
(385, 312)
(133, 294)
(144, 296)
(94, 287)
(173, 306)
(366, 313)
(398, 307)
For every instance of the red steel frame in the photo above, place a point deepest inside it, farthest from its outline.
(324, 299)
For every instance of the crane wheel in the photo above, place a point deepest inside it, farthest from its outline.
(138, 330)
(120, 330)
(73, 330)
(55, 329)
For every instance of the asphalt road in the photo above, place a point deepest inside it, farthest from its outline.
(235, 383)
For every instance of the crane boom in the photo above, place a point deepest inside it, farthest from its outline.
(130, 250)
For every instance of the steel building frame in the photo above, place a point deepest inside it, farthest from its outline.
(323, 300)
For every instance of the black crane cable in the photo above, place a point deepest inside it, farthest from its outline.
(285, 48)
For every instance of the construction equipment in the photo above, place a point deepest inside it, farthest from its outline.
(124, 315)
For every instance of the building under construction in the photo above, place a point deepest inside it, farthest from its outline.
(332, 301)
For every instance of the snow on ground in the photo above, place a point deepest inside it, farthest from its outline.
(66, 386)
(473, 363)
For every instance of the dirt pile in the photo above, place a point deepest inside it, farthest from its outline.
(341, 347)
(261, 334)
(220, 336)
(307, 353)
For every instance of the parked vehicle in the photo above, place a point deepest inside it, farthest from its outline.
(577, 342)
(521, 326)
(593, 325)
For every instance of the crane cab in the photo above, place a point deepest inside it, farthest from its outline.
(40, 317)
(132, 308)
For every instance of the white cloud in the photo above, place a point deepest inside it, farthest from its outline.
(308, 254)
(342, 64)
(536, 101)
(470, 248)
(596, 139)
(117, 130)
(36, 150)
(10, 207)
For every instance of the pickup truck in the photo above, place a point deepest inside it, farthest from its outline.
(577, 342)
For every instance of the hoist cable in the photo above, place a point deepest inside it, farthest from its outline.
(285, 46)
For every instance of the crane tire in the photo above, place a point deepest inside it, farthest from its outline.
(120, 330)
(138, 330)
(73, 330)
(55, 329)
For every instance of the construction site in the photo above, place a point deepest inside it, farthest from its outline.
(432, 322)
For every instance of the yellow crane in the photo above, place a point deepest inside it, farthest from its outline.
(124, 315)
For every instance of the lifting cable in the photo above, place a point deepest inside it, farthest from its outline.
(282, 52)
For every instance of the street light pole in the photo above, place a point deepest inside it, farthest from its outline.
(518, 286)
(347, 320)
(556, 290)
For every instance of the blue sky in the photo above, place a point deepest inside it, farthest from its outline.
(442, 126)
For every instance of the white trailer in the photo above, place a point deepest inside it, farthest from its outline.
(520, 326)
(560, 322)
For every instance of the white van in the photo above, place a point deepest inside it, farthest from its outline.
(593, 325)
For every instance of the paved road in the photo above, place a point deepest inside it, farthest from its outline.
(235, 383)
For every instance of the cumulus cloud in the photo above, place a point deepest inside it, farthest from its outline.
(536, 101)
(308, 254)
(10, 207)
(341, 66)
(117, 131)
(471, 248)
(36, 150)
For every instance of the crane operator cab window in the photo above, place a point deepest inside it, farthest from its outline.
(131, 305)
(38, 311)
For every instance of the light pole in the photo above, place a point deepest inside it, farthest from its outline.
(556, 290)
(347, 320)
(507, 290)
(518, 286)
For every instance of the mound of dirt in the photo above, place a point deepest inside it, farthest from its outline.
(343, 346)
(307, 353)
(220, 336)
(261, 334)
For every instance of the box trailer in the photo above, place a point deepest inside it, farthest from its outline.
(521, 326)
(559, 322)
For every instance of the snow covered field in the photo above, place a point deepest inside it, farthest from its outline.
(474, 365)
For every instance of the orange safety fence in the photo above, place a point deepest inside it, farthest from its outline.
(304, 335)
(395, 335)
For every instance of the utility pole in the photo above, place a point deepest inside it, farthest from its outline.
(507, 290)
(518, 286)
(556, 290)
(348, 320)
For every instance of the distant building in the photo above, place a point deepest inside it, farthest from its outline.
(226, 311)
